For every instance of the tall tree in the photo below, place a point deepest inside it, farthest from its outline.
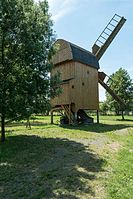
(121, 83)
(26, 46)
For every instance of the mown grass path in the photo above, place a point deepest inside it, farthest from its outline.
(53, 162)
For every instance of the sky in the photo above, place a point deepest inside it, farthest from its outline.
(82, 21)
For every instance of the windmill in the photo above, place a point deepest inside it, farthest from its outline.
(80, 76)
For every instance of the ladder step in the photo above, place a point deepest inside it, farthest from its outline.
(109, 29)
(115, 20)
(100, 41)
(103, 37)
(117, 15)
(105, 33)
(112, 24)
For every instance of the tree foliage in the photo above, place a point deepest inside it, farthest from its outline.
(26, 47)
(103, 108)
(121, 83)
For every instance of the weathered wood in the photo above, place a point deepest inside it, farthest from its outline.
(64, 53)
(82, 87)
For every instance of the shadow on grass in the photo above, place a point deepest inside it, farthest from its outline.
(126, 120)
(34, 167)
(36, 123)
(98, 128)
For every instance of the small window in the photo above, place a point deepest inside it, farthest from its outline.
(83, 83)
(72, 86)
(88, 72)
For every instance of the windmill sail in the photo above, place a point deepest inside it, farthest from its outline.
(101, 77)
(107, 35)
(101, 45)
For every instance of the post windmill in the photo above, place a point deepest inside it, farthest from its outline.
(80, 76)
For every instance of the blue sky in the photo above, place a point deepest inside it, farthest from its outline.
(82, 21)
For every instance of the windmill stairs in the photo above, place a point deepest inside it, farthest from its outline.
(68, 112)
(82, 116)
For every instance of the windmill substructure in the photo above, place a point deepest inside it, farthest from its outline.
(79, 73)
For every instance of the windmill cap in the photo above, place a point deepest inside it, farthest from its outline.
(67, 51)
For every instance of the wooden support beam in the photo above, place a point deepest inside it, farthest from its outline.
(69, 113)
(97, 116)
(75, 118)
(52, 117)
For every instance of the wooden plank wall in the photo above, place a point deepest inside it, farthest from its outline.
(85, 91)
(82, 90)
(63, 52)
(67, 71)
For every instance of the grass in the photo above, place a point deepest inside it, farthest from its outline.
(52, 162)
(120, 182)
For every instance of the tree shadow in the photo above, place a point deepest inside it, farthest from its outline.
(126, 120)
(36, 123)
(98, 128)
(51, 168)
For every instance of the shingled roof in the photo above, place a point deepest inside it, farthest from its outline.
(69, 51)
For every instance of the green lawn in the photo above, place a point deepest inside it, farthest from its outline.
(53, 162)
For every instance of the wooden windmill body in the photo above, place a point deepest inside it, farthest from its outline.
(78, 70)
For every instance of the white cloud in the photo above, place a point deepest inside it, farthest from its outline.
(60, 8)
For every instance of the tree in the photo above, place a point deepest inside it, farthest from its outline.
(26, 47)
(121, 83)
(103, 108)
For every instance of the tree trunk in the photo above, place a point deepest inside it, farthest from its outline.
(3, 128)
(122, 114)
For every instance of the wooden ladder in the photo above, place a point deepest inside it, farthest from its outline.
(68, 112)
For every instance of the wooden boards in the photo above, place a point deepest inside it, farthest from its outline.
(79, 85)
